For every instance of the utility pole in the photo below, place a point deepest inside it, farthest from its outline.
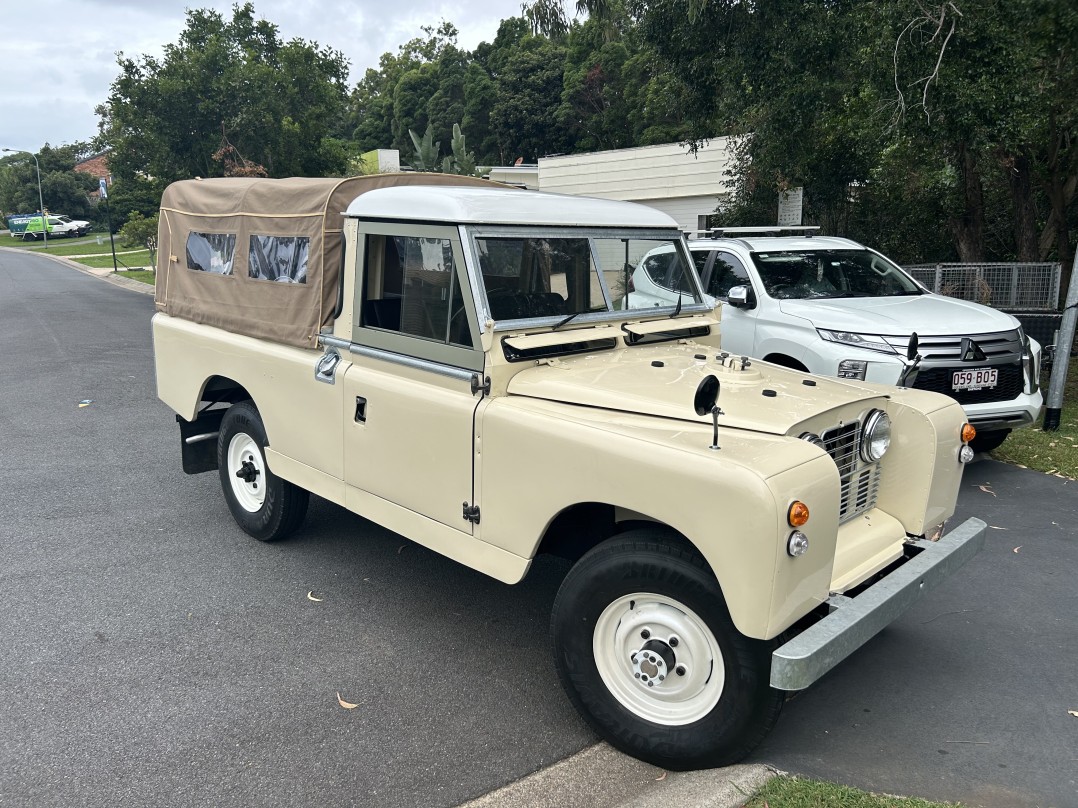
(1061, 356)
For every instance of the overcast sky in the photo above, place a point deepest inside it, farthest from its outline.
(59, 58)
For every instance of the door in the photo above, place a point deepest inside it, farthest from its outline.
(411, 407)
(738, 324)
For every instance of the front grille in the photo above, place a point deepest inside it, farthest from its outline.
(997, 347)
(1009, 384)
(859, 482)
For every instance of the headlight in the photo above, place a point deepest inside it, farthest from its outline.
(876, 436)
(871, 342)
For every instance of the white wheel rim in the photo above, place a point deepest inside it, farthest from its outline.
(677, 675)
(250, 494)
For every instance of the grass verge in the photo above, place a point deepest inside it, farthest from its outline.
(135, 260)
(1051, 452)
(795, 792)
(143, 275)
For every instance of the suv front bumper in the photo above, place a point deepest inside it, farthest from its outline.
(854, 621)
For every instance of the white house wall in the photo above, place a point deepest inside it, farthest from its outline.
(667, 177)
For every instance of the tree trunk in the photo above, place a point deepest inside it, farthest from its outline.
(1060, 188)
(1025, 215)
(968, 228)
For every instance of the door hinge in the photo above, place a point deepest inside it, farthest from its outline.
(480, 383)
(471, 513)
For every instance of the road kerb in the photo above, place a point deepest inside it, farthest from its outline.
(602, 777)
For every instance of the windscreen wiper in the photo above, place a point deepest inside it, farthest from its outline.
(560, 323)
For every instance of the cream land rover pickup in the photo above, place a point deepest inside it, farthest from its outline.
(455, 360)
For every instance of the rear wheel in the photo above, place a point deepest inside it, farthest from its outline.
(648, 653)
(987, 441)
(263, 504)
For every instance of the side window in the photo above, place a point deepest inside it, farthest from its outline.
(726, 272)
(411, 288)
(211, 252)
(663, 267)
(282, 259)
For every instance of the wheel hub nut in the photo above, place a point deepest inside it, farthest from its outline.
(652, 662)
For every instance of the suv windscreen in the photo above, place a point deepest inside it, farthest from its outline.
(812, 274)
(554, 275)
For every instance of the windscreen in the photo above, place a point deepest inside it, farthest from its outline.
(811, 274)
(526, 277)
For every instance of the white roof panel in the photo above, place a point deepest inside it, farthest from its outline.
(471, 205)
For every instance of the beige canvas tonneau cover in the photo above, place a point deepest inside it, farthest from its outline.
(261, 257)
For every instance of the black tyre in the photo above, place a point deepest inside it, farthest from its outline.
(647, 652)
(987, 441)
(263, 504)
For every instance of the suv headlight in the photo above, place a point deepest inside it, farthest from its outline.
(871, 342)
(876, 437)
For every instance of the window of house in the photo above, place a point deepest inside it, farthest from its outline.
(282, 259)
(211, 252)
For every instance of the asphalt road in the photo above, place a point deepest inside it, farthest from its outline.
(153, 654)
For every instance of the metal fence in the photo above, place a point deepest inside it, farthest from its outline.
(1002, 286)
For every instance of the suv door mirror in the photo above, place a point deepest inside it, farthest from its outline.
(741, 297)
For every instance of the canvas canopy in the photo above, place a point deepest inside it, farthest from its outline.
(261, 257)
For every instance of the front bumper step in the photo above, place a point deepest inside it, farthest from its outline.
(854, 621)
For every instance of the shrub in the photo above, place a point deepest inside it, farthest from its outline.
(137, 229)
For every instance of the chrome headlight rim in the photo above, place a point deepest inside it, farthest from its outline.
(875, 436)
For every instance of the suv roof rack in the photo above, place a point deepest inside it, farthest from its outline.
(719, 232)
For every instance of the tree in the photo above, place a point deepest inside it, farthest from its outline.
(63, 189)
(279, 104)
(528, 93)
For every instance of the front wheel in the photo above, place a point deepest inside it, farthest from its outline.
(263, 504)
(647, 652)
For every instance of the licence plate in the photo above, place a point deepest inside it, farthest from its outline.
(977, 379)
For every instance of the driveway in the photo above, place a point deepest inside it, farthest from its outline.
(153, 654)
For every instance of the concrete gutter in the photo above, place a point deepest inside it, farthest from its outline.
(602, 777)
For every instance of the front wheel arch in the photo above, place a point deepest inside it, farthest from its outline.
(786, 361)
(677, 722)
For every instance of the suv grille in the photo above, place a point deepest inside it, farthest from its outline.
(860, 482)
(1009, 384)
(997, 347)
(942, 356)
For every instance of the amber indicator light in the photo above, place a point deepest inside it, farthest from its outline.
(798, 514)
(968, 433)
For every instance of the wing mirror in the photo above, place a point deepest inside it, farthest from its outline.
(707, 394)
(909, 375)
(740, 297)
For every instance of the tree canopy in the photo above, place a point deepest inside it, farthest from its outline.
(932, 129)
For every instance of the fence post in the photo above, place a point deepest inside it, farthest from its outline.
(939, 279)
(1061, 357)
(1014, 286)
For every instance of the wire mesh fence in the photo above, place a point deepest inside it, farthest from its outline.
(1024, 286)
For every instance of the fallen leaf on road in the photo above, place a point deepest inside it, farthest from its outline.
(86, 402)
(346, 704)
(1073, 712)
(310, 596)
(1016, 549)
(401, 548)
(993, 527)
(987, 489)
(660, 777)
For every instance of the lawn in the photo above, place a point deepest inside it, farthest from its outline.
(795, 792)
(1050, 452)
(137, 259)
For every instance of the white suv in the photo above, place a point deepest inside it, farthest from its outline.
(834, 307)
